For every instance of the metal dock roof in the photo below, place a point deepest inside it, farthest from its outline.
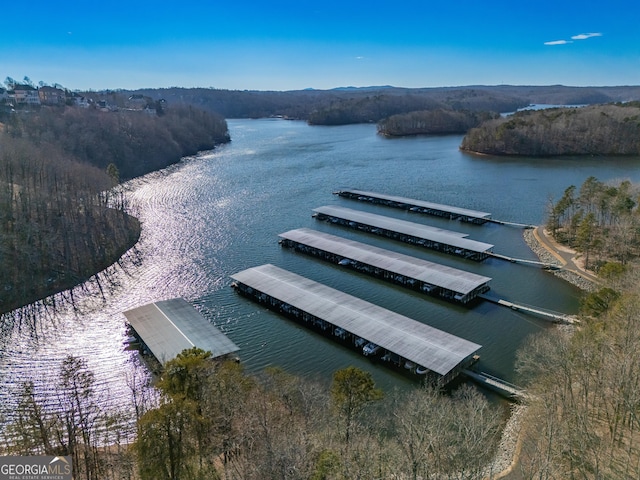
(440, 235)
(171, 326)
(420, 203)
(429, 347)
(433, 273)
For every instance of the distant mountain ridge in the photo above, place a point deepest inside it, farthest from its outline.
(371, 104)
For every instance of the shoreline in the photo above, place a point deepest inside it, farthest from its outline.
(72, 280)
(545, 254)
(507, 455)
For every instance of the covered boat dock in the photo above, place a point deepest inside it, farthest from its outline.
(409, 232)
(393, 338)
(415, 273)
(168, 327)
(420, 206)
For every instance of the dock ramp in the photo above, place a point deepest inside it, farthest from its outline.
(557, 317)
(495, 384)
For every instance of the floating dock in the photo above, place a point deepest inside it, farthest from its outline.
(421, 275)
(168, 327)
(394, 339)
(420, 206)
(446, 241)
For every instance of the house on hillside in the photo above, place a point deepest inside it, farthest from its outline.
(105, 106)
(79, 101)
(138, 102)
(150, 110)
(52, 96)
(25, 95)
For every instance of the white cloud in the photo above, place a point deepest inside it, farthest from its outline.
(584, 36)
(558, 42)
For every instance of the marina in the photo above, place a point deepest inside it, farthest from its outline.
(411, 272)
(221, 212)
(391, 338)
(168, 327)
(446, 241)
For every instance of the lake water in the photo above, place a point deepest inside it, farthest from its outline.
(221, 212)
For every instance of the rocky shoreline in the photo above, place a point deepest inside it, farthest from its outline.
(507, 453)
(544, 256)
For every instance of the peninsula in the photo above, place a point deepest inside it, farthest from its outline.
(607, 130)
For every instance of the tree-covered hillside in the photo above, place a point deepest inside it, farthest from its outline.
(432, 122)
(136, 143)
(612, 129)
(58, 227)
(372, 104)
(600, 220)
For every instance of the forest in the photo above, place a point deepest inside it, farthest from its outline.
(612, 129)
(346, 105)
(210, 420)
(600, 220)
(432, 122)
(60, 222)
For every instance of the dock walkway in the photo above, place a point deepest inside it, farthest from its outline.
(554, 316)
(550, 266)
(502, 387)
(511, 224)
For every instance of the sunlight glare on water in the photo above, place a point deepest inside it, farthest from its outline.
(221, 212)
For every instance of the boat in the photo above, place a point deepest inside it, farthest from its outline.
(370, 349)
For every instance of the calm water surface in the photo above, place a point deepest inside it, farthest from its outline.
(221, 212)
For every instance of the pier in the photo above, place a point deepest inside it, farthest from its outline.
(439, 239)
(556, 317)
(421, 275)
(419, 206)
(392, 339)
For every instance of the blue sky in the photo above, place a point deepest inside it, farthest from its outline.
(289, 45)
